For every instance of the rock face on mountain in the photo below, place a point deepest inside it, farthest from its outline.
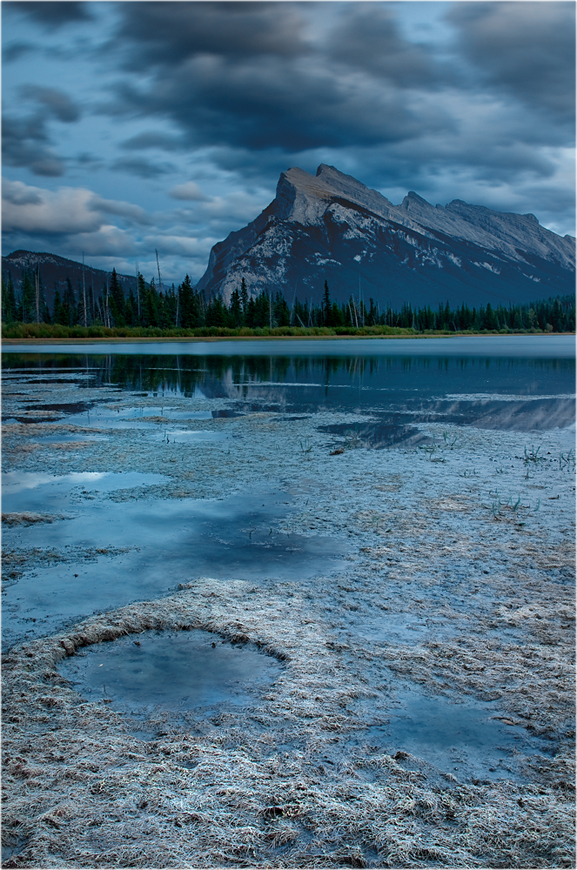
(331, 227)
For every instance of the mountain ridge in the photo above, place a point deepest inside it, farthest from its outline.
(54, 270)
(330, 226)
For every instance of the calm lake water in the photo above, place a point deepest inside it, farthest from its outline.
(509, 382)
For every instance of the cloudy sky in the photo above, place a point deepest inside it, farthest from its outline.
(135, 126)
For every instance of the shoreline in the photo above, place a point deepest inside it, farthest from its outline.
(289, 338)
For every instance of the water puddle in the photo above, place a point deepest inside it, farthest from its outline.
(137, 417)
(175, 671)
(31, 412)
(64, 438)
(226, 414)
(468, 739)
(117, 553)
(27, 491)
(12, 849)
(175, 436)
(377, 434)
(503, 413)
(399, 628)
(65, 408)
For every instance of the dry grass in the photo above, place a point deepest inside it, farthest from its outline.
(259, 787)
(68, 445)
(28, 518)
(31, 430)
(21, 449)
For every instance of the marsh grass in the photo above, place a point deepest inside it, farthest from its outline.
(268, 785)
(28, 518)
(533, 455)
(352, 440)
(500, 508)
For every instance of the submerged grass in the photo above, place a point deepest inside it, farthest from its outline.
(28, 518)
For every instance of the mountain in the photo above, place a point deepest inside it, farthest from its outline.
(54, 271)
(332, 227)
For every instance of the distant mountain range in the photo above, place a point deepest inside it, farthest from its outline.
(331, 227)
(54, 271)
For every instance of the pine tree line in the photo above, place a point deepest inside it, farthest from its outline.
(185, 308)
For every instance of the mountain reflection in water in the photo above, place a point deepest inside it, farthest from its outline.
(500, 392)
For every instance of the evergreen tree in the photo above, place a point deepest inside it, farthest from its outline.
(8, 300)
(243, 300)
(191, 305)
(163, 321)
(140, 295)
(235, 317)
(150, 306)
(82, 317)
(43, 306)
(260, 311)
(57, 310)
(171, 307)
(326, 306)
(250, 314)
(281, 312)
(373, 314)
(488, 319)
(116, 301)
(216, 313)
(68, 307)
(27, 306)
(130, 309)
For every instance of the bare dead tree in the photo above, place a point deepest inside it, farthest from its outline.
(158, 267)
(84, 292)
(137, 293)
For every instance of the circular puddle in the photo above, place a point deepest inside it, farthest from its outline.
(177, 671)
(459, 735)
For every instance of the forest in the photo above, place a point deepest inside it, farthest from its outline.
(148, 310)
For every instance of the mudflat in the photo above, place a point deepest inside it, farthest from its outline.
(249, 631)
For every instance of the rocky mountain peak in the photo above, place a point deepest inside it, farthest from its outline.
(413, 199)
(330, 226)
(303, 198)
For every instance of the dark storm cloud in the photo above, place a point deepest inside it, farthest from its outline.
(524, 49)
(272, 104)
(54, 101)
(25, 142)
(52, 15)
(246, 74)
(16, 50)
(141, 168)
(172, 32)
(261, 77)
(367, 37)
(152, 139)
